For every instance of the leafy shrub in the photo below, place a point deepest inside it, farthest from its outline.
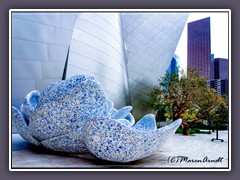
(205, 132)
(205, 125)
(193, 131)
(179, 130)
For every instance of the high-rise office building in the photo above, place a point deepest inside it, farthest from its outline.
(219, 81)
(212, 75)
(173, 67)
(199, 47)
(220, 85)
(220, 68)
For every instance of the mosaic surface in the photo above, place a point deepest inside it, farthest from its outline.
(75, 116)
(110, 140)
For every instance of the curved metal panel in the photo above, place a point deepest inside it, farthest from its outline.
(97, 48)
(40, 44)
(151, 39)
(126, 52)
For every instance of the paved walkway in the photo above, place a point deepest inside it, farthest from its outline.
(197, 151)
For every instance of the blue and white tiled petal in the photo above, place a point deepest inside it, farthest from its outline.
(123, 112)
(113, 141)
(147, 123)
(21, 126)
(30, 102)
(67, 106)
(70, 143)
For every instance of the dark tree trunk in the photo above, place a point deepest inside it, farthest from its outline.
(185, 128)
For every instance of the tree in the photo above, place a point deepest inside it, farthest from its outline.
(188, 98)
(220, 113)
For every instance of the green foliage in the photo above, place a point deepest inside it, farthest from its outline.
(205, 132)
(197, 130)
(193, 131)
(220, 113)
(179, 130)
(188, 97)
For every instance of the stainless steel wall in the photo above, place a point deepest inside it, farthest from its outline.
(97, 48)
(39, 48)
(151, 40)
(126, 53)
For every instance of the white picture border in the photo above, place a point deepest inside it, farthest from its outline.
(116, 10)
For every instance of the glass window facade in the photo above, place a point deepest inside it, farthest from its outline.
(221, 68)
(199, 47)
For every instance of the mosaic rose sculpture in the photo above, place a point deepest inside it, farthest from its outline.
(75, 116)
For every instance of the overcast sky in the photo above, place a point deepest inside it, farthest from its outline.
(219, 36)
